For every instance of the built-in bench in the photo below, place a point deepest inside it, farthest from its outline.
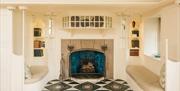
(38, 79)
(144, 78)
(38, 72)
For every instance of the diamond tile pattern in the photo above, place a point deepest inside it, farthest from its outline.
(103, 85)
(58, 87)
(87, 86)
(114, 86)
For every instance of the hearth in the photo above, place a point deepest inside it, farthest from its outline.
(98, 85)
(87, 63)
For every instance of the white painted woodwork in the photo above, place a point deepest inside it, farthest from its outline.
(11, 65)
(87, 22)
(81, 1)
(172, 75)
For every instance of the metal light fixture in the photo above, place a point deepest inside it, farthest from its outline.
(49, 32)
(70, 47)
(104, 47)
(133, 24)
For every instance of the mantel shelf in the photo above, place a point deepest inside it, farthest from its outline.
(88, 28)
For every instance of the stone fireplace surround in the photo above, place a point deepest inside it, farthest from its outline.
(94, 44)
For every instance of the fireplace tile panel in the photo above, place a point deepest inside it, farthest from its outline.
(87, 62)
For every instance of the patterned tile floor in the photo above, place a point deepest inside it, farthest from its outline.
(102, 85)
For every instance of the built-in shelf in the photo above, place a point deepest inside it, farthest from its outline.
(40, 48)
(39, 43)
(134, 52)
(87, 22)
(134, 40)
(39, 37)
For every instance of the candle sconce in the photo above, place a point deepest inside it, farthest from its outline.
(104, 47)
(133, 24)
(70, 47)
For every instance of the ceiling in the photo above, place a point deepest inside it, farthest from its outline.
(81, 1)
(116, 6)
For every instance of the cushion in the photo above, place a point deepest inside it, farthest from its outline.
(162, 76)
(28, 74)
(38, 73)
(146, 79)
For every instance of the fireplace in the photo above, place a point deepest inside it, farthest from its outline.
(87, 58)
(87, 63)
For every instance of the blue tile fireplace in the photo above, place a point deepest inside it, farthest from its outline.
(87, 63)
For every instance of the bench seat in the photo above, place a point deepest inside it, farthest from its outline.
(38, 73)
(144, 78)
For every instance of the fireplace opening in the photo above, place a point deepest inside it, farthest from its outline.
(87, 64)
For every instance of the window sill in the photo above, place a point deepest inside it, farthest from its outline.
(152, 57)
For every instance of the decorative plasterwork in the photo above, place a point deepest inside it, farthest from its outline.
(80, 1)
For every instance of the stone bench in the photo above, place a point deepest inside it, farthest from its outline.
(38, 73)
(38, 80)
(144, 78)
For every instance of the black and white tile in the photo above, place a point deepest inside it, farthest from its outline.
(73, 85)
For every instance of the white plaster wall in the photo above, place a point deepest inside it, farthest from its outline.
(171, 31)
(151, 26)
(135, 60)
(173, 64)
(151, 29)
(54, 44)
(30, 24)
(178, 32)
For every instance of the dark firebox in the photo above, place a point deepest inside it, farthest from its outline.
(87, 64)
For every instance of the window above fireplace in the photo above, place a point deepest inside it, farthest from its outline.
(87, 22)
